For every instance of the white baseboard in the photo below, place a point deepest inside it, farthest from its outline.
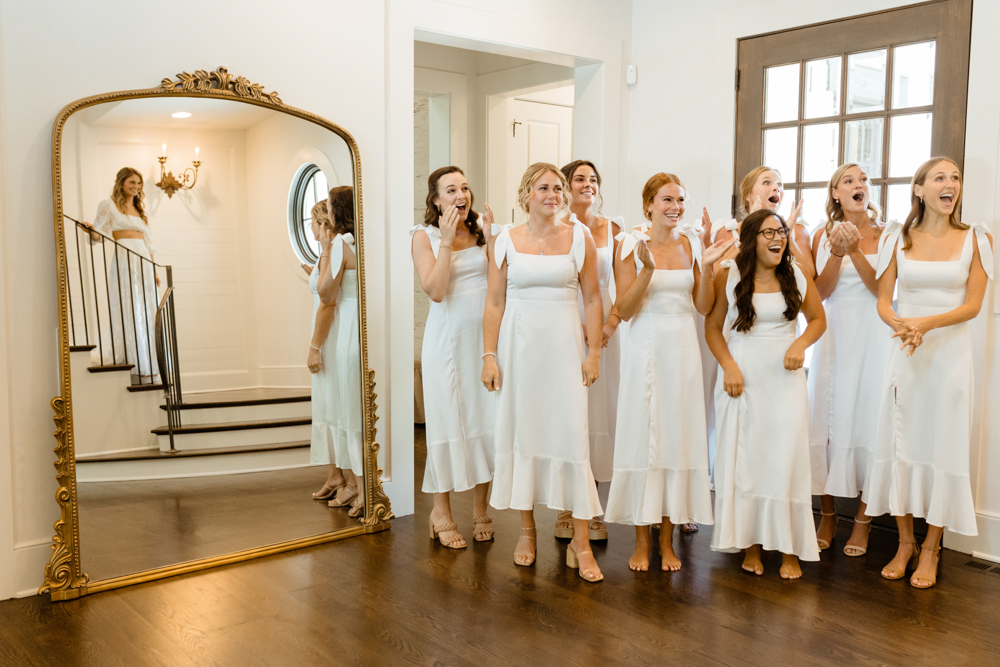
(985, 545)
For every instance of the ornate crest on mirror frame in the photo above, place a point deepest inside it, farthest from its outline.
(64, 578)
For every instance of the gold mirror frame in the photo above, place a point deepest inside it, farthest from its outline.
(64, 576)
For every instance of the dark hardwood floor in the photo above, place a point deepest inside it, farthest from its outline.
(396, 598)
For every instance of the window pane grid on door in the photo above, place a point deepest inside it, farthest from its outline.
(873, 107)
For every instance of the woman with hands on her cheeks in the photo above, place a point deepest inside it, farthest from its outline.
(321, 443)
(847, 361)
(762, 482)
(661, 473)
(449, 253)
(922, 444)
(534, 357)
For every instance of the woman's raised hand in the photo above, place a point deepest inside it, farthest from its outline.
(325, 237)
(852, 237)
(793, 217)
(448, 224)
(488, 221)
(717, 250)
(839, 240)
(490, 376)
(643, 255)
(756, 205)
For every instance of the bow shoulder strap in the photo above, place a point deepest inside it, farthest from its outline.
(887, 246)
(719, 225)
(693, 234)
(985, 249)
(502, 243)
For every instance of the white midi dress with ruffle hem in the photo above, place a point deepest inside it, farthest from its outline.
(925, 411)
(843, 383)
(458, 411)
(762, 480)
(661, 446)
(542, 440)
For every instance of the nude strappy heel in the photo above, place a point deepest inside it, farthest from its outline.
(854, 550)
(482, 528)
(454, 542)
(933, 577)
(526, 534)
(573, 561)
(823, 544)
(912, 561)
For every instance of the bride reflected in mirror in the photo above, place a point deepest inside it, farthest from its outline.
(337, 285)
(132, 280)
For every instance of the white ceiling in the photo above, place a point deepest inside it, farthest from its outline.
(154, 112)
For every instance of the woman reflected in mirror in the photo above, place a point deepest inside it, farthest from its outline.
(921, 468)
(449, 253)
(321, 447)
(847, 361)
(602, 397)
(337, 285)
(132, 278)
(535, 357)
(762, 470)
(661, 473)
(763, 188)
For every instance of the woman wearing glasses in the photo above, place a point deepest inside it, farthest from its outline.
(762, 484)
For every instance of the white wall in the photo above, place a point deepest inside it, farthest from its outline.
(276, 149)
(681, 119)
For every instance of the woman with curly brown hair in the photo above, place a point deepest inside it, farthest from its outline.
(449, 253)
(762, 472)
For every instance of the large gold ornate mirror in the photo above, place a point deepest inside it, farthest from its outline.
(214, 368)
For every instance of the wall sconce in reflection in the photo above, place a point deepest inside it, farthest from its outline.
(169, 184)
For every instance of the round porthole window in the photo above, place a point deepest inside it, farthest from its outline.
(308, 187)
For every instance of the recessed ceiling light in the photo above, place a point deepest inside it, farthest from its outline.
(181, 114)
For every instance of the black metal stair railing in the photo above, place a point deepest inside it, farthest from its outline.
(166, 354)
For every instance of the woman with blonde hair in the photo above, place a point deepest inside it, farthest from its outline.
(921, 466)
(762, 494)
(661, 473)
(338, 285)
(534, 357)
(847, 361)
(602, 397)
(132, 279)
(449, 253)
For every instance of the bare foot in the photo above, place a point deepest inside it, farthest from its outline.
(790, 567)
(639, 562)
(751, 560)
(857, 543)
(925, 575)
(896, 569)
(524, 552)
(826, 530)
(669, 562)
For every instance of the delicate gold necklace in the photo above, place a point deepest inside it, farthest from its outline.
(538, 241)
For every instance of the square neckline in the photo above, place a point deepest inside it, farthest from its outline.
(961, 254)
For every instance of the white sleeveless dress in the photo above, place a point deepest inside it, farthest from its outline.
(458, 412)
(542, 439)
(346, 333)
(762, 483)
(321, 442)
(602, 396)
(661, 446)
(132, 295)
(843, 383)
(925, 414)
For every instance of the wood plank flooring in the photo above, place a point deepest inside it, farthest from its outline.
(396, 598)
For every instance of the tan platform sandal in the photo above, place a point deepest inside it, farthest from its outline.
(912, 561)
(933, 577)
(357, 507)
(482, 534)
(854, 550)
(343, 499)
(528, 560)
(564, 525)
(597, 530)
(456, 541)
(327, 492)
(823, 544)
(573, 561)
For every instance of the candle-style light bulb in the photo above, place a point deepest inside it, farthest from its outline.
(196, 149)
(164, 150)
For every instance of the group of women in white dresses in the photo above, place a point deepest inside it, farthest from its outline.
(335, 354)
(885, 413)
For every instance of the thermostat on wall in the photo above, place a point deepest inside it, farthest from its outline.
(630, 75)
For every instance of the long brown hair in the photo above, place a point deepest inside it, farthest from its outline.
(118, 192)
(569, 169)
(835, 210)
(746, 263)
(917, 206)
(432, 212)
(342, 209)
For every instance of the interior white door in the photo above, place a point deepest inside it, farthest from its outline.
(538, 133)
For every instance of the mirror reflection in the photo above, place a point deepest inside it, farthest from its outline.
(214, 330)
